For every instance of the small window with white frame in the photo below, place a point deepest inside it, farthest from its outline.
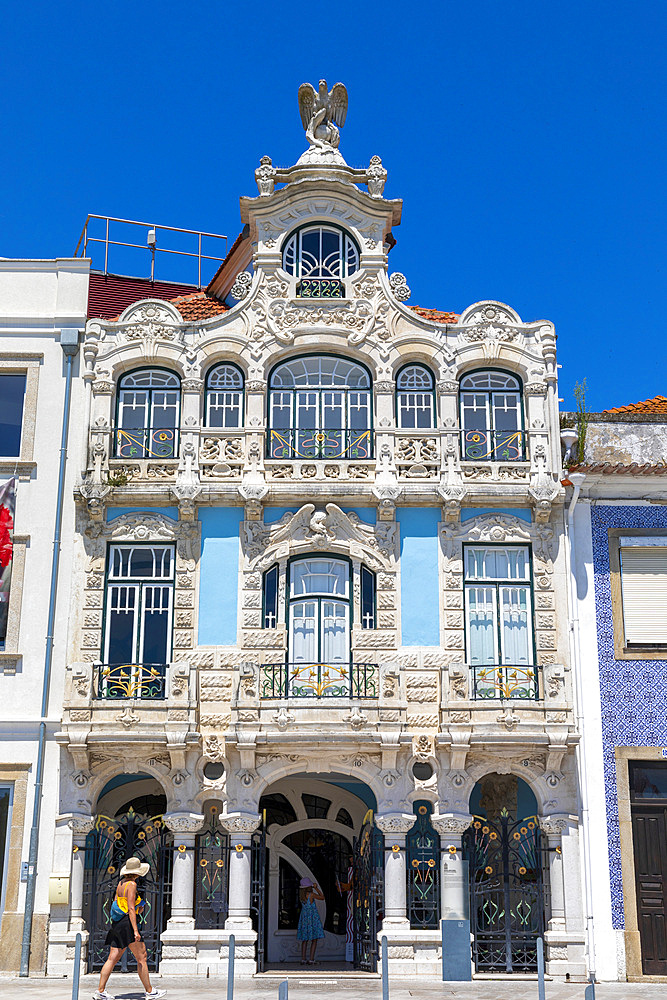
(224, 396)
(499, 621)
(415, 399)
(138, 621)
(643, 564)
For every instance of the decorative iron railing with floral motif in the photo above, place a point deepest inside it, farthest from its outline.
(492, 446)
(319, 680)
(320, 443)
(504, 682)
(130, 680)
(146, 442)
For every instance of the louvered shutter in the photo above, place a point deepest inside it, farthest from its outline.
(644, 589)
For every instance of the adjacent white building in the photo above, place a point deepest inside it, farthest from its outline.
(43, 306)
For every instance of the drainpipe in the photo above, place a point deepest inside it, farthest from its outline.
(577, 480)
(69, 341)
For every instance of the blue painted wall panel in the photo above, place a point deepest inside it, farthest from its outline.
(218, 575)
(522, 512)
(113, 512)
(420, 584)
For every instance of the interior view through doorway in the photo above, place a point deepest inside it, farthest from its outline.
(312, 823)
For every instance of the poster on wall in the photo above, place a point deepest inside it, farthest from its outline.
(7, 500)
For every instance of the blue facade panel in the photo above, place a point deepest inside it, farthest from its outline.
(219, 575)
(420, 582)
(633, 693)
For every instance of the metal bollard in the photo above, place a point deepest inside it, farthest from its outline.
(590, 991)
(385, 969)
(230, 967)
(282, 990)
(77, 967)
(540, 969)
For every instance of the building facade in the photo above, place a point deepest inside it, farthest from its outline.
(619, 536)
(42, 313)
(319, 614)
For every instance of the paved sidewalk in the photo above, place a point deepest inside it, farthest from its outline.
(302, 987)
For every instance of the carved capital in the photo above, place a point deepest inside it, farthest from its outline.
(184, 822)
(240, 822)
(389, 823)
(456, 823)
(80, 825)
(554, 825)
(447, 387)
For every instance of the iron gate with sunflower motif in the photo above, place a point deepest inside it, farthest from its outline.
(506, 892)
(108, 846)
(368, 893)
(422, 846)
(211, 873)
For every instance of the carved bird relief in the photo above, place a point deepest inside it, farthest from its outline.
(321, 112)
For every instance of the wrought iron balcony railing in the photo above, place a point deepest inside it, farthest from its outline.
(503, 683)
(146, 442)
(493, 446)
(319, 680)
(130, 680)
(322, 443)
(320, 288)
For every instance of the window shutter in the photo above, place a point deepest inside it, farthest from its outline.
(644, 589)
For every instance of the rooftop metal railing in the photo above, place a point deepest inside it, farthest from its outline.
(150, 245)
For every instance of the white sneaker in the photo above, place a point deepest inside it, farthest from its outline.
(156, 994)
(102, 995)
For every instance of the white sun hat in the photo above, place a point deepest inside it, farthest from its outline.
(134, 866)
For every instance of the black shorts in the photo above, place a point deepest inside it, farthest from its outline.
(120, 934)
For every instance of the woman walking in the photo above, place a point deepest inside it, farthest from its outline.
(124, 932)
(310, 925)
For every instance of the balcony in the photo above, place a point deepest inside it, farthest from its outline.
(146, 442)
(479, 445)
(326, 443)
(143, 681)
(505, 683)
(319, 680)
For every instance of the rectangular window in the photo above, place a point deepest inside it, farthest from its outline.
(138, 620)
(12, 393)
(6, 794)
(644, 590)
(270, 618)
(7, 503)
(499, 625)
(367, 598)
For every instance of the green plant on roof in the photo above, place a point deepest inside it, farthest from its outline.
(582, 416)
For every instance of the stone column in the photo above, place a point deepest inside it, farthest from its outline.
(240, 827)
(553, 829)
(80, 827)
(184, 826)
(453, 887)
(395, 826)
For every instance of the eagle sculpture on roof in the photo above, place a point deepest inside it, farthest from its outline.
(321, 112)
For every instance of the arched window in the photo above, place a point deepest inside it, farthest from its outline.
(224, 396)
(320, 256)
(149, 402)
(491, 417)
(415, 402)
(320, 407)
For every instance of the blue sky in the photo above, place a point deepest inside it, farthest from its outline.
(526, 139)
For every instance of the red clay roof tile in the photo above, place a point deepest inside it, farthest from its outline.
(656, 405)
(435, 315)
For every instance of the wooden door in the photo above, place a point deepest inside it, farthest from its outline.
(649, 834)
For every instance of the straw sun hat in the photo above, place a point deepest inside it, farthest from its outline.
(134, 866)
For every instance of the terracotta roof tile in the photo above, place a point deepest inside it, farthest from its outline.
(435, 315)
(656, 405)
(617, 468)
(199, 306)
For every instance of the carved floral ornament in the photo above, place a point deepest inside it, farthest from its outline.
(184, 822)
(499, 528)
(396, 823)
(312, 530)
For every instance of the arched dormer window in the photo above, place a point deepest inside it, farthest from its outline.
(320, 407)
(149, 404)
(224, 396)
(320, 257)
(415, 398)
(491, 417)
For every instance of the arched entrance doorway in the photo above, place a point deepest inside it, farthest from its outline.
(128, 823)
(507, 875)
(312, 823)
